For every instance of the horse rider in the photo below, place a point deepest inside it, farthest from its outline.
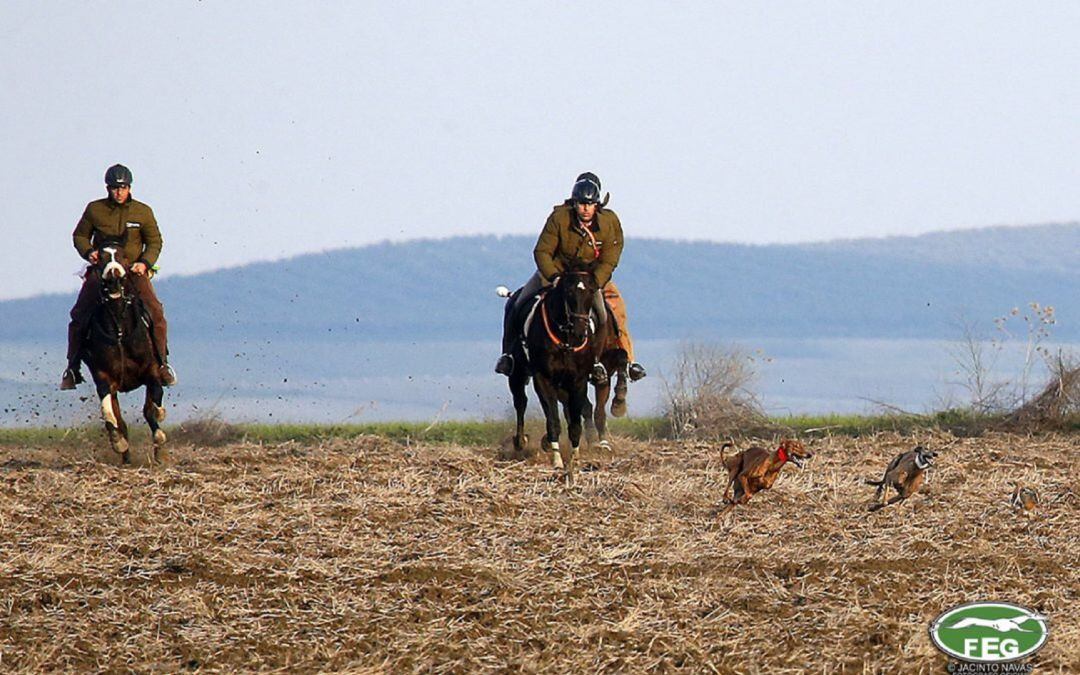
(579, 228)
(117, 216)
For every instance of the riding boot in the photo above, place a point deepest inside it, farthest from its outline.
(166, 374)
(505, 365)
(72, 376)
(599, 375)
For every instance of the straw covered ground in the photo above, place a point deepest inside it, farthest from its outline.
(370, 555)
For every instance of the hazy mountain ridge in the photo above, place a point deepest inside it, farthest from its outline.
(435, 289)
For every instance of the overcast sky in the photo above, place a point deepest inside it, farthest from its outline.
(259, 130)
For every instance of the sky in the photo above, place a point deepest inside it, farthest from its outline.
(261, 130)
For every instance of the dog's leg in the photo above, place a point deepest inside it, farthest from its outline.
(898, 498)
(745, 485)
(730, 484)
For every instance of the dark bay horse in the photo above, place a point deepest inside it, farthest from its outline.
(120, 353)
(561, 344)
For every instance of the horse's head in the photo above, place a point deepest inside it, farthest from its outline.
(577, 287)
(112, 265)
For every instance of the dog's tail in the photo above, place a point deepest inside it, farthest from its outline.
(874, 482)
(725, 446)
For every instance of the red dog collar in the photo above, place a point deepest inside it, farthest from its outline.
(781, 454)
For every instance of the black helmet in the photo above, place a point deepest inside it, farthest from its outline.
(118, 175)
(586, 189)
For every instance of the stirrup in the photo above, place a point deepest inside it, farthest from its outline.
(599, 375)
(636, 371)
(505, 366)
(70, 378)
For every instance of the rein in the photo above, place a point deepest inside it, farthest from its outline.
(551, 333)
(555, 338)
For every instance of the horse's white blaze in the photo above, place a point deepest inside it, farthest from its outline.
(114, 269)
(581, 285)
(107, 413)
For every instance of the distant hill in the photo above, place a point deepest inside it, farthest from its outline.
(440, 289)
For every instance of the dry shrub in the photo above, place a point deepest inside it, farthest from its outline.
(1059, 402)
(709, 396)
(208, 430)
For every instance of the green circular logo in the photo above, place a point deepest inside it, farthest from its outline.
(989, 632)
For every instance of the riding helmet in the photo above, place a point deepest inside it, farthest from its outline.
(586, 189)
(118, 175)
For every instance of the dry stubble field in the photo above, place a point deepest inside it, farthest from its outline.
(369, 555)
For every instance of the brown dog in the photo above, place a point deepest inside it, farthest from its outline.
(756, 469)
(904, 474)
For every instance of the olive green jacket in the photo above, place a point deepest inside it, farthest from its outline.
(105, 218)
(564, 240)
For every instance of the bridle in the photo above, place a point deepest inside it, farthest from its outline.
(565, 328)
(110, 299)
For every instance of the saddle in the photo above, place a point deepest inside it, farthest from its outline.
(524, 314)
(144, 317)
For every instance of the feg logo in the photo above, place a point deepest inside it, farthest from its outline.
(989, 632)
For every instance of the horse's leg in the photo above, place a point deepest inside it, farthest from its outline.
(574, 407)
(110, 415)
(123, 426)
(521, 401)
(154, 413)
(600, 414)
(591, 435)
(549, 401)
(618, 404)
(109, 407)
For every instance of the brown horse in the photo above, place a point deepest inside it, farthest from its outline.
(120, 353)
(560, 346)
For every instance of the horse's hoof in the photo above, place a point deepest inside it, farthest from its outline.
(159, 437)
(618, 408)
(125, 457)
(161, 455)
(604, 445)
(121, 445)
(556, 459)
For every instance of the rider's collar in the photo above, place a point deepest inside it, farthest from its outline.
(594, 225)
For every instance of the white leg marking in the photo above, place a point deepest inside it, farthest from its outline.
(107, 413)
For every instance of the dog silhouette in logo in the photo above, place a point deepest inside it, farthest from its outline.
(1000, 625)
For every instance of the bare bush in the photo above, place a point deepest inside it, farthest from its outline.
(1059, 401)
(708, 394)
(975, 361)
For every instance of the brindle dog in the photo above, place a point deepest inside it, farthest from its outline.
(756, 469)
(904, 474)
(120, 354)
